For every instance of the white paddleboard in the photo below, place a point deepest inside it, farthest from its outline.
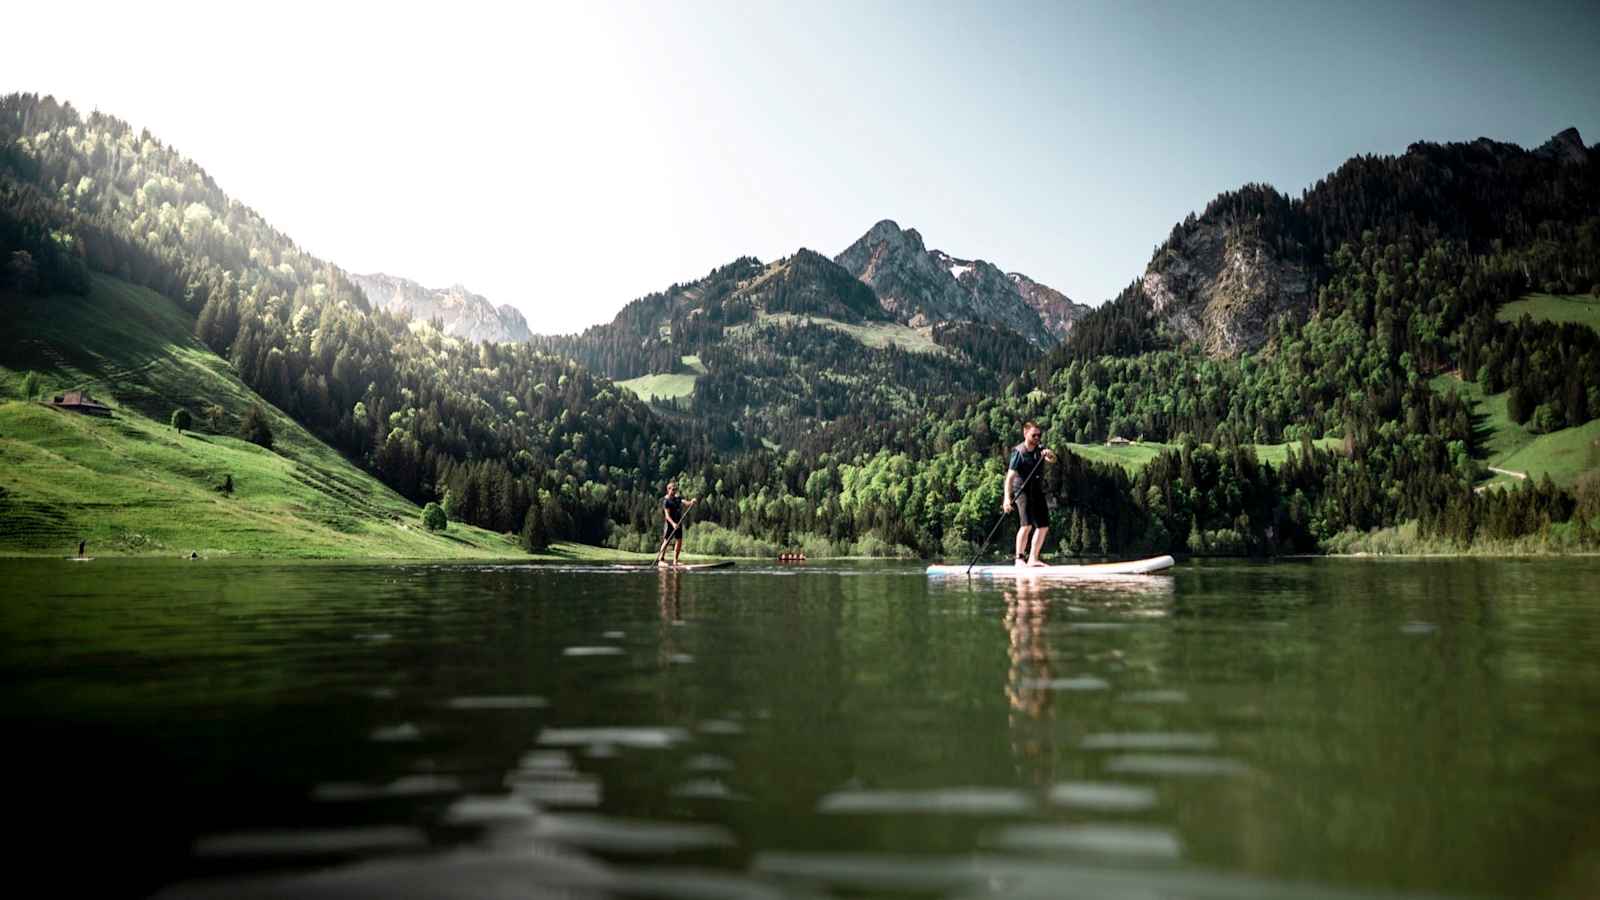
(1130, 567)
(687, 567)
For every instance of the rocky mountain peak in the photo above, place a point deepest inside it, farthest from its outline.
(889, 231)
(924, 287)
(1566, 146)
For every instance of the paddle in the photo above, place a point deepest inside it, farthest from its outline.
(662, 553)
(1014, 495)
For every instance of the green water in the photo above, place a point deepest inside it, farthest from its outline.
(1320, 728)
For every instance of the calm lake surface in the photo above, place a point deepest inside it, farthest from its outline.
(1313, 728)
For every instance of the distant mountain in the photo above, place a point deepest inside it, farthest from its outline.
(778, 349)
(923, 287)
(464, 314)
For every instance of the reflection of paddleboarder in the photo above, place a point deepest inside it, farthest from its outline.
(1031, 719)
(671, 588)
(1027, 684)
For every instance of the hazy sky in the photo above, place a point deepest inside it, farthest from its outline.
(568, 158)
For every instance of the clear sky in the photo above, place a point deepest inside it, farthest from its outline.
(566, 158)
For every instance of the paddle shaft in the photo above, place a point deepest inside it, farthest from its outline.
(1014, 495)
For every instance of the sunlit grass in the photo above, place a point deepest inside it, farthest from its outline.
(132, 484)
(1135, 456)
(871, 334)
(661, 387)
(1563, 454)
(1579, 308)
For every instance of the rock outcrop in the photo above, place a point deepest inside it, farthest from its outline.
(464, 314)
(1056, 310)
(1566, 147)
(1222, 286)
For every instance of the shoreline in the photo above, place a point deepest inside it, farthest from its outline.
(590, 554)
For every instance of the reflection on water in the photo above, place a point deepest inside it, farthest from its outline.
(1046, 661)
(1310, 729)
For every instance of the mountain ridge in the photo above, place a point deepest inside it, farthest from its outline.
(923, 287)
(463, 313)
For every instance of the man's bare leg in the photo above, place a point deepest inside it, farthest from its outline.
(1038, 545)
(1022, 544)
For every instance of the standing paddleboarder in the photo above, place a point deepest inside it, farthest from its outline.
(672, 509)
(1025, 481)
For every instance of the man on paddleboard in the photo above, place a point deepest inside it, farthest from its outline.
(672, 510)
(1025, 481)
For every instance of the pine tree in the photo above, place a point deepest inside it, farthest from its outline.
(534, 536)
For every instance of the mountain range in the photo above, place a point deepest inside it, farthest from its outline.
(915, 286)
(1262, 319)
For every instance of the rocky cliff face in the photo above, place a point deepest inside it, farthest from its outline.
(1222, 287)
(1566, 146)
(1056, 310)
(465, 314)
(923, 287)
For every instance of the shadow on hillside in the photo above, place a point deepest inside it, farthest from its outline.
(106, 347)
(1478, 446)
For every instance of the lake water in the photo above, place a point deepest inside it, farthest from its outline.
(1307, 729)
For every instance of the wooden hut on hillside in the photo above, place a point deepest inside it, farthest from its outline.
(80, 401)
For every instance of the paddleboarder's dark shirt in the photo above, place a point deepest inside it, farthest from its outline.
(1025, 462)
(674, 508)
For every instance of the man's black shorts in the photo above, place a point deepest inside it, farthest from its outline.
(666, 530)
(1033, 510)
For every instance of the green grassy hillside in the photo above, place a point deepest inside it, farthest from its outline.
(1579, 308)
(133, 484)
(869, 334)
(661, 387)
(1134, 457)
(1563, 455)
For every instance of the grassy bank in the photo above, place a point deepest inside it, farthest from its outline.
(132, 484)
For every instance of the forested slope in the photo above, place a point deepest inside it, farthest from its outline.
(496, 431)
